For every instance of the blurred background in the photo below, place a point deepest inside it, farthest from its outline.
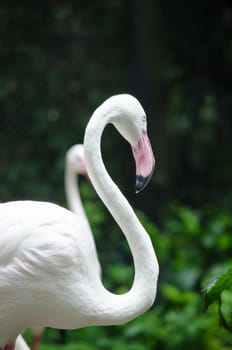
(59, 61)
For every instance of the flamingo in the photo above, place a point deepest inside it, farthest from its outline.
(74, 166)
(47, 275)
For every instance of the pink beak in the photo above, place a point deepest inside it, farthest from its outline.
(144, 161)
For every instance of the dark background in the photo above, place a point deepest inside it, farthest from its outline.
(59, 61)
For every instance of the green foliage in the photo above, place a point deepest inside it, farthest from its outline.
(215, 288)
(219, 290)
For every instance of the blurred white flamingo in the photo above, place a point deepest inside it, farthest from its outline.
(74, 166)
(46, 265)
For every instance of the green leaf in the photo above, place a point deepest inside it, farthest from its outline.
(216, 286)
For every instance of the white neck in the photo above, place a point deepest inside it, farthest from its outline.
(76, 206)
(73, 194)
(121, 308)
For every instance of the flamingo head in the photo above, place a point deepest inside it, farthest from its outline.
(129, 118)
(75, 160)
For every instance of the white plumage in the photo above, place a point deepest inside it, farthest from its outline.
(21, 344)
(46, 272)
(74, 166)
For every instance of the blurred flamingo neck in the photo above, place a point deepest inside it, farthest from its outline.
(72, 192)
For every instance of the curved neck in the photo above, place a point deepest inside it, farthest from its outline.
(121, 308)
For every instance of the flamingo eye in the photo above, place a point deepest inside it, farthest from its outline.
(144, 118)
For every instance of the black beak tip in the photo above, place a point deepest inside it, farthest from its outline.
(141, 183)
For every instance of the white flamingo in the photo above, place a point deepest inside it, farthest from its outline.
(74, 166)
(46, 271)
